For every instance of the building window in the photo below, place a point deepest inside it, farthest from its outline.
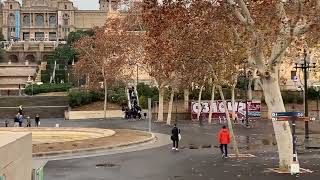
(39, 36)
(39, 20)
(66, 29)
(12, 20)
(65, 6)
(12, 29)
(52, 21)
(11, 6)
(52, 36)
(26, 20)
(26, 36)
(293, 74)
(65, 19)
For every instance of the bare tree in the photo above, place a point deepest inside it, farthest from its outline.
(104, 56)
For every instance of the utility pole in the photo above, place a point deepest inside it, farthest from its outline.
(305, 67)
(246, 94)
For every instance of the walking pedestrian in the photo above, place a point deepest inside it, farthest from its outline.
(28, 121)
(6, 123)
(16, 120)
(224, 140)
(37, 120)
(20, 120)
(175, 133)
(235, 118)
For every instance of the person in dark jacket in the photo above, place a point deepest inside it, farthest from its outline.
(175, 137)
(37, 120)
(16, 120)
(20, 120)
(224, 140)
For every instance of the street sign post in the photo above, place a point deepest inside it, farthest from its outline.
(291, 116)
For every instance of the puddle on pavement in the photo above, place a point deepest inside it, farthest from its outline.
(106, 165)
(266, 142)
(252, 143)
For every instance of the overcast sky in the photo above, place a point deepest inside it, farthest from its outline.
(83, 4)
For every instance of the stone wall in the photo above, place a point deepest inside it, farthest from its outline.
(85, 19)
(45, 106)
(16, 156)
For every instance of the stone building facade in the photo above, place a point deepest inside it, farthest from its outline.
(47, 20)
(34, 27)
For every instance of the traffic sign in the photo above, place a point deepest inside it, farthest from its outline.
(287, 114)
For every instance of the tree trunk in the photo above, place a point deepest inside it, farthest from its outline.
(170, 107)
(186, 99)
(233, 138)
(233, 104)
(211, 104)
(105, 98)
(199, 103)
(137, 95)
(160, 110)
(273, 98)
(249, 93)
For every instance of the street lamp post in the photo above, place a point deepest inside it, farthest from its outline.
(246, 91)
(317, 88)
(305, 66)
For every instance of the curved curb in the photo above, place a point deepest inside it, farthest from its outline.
(103, 132)
(72, 152)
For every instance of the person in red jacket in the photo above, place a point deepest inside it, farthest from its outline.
(224, 140)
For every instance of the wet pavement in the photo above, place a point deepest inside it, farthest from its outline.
(198, 158)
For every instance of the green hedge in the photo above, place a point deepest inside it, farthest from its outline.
(289, 97)
(79, 98)
(45, 88)
(116, 94)
(45, 77)
(145, 92)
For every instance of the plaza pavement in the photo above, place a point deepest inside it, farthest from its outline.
(198, 158)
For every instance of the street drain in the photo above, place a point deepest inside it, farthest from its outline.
(206, 146)
(107, 165)
(191, 146)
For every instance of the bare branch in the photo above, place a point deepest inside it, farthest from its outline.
(300, 30)
(246, 12)
(237, 12)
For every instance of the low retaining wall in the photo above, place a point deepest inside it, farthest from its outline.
(43, 111)
(93, 114)
(45, 106)
(16, 156)
(15, 101)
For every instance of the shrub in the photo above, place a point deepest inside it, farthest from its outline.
(313, 93)
(291, 97)
(45, 88)
(79, 98)
(145, 91)
(116, 94)
(143, 102)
